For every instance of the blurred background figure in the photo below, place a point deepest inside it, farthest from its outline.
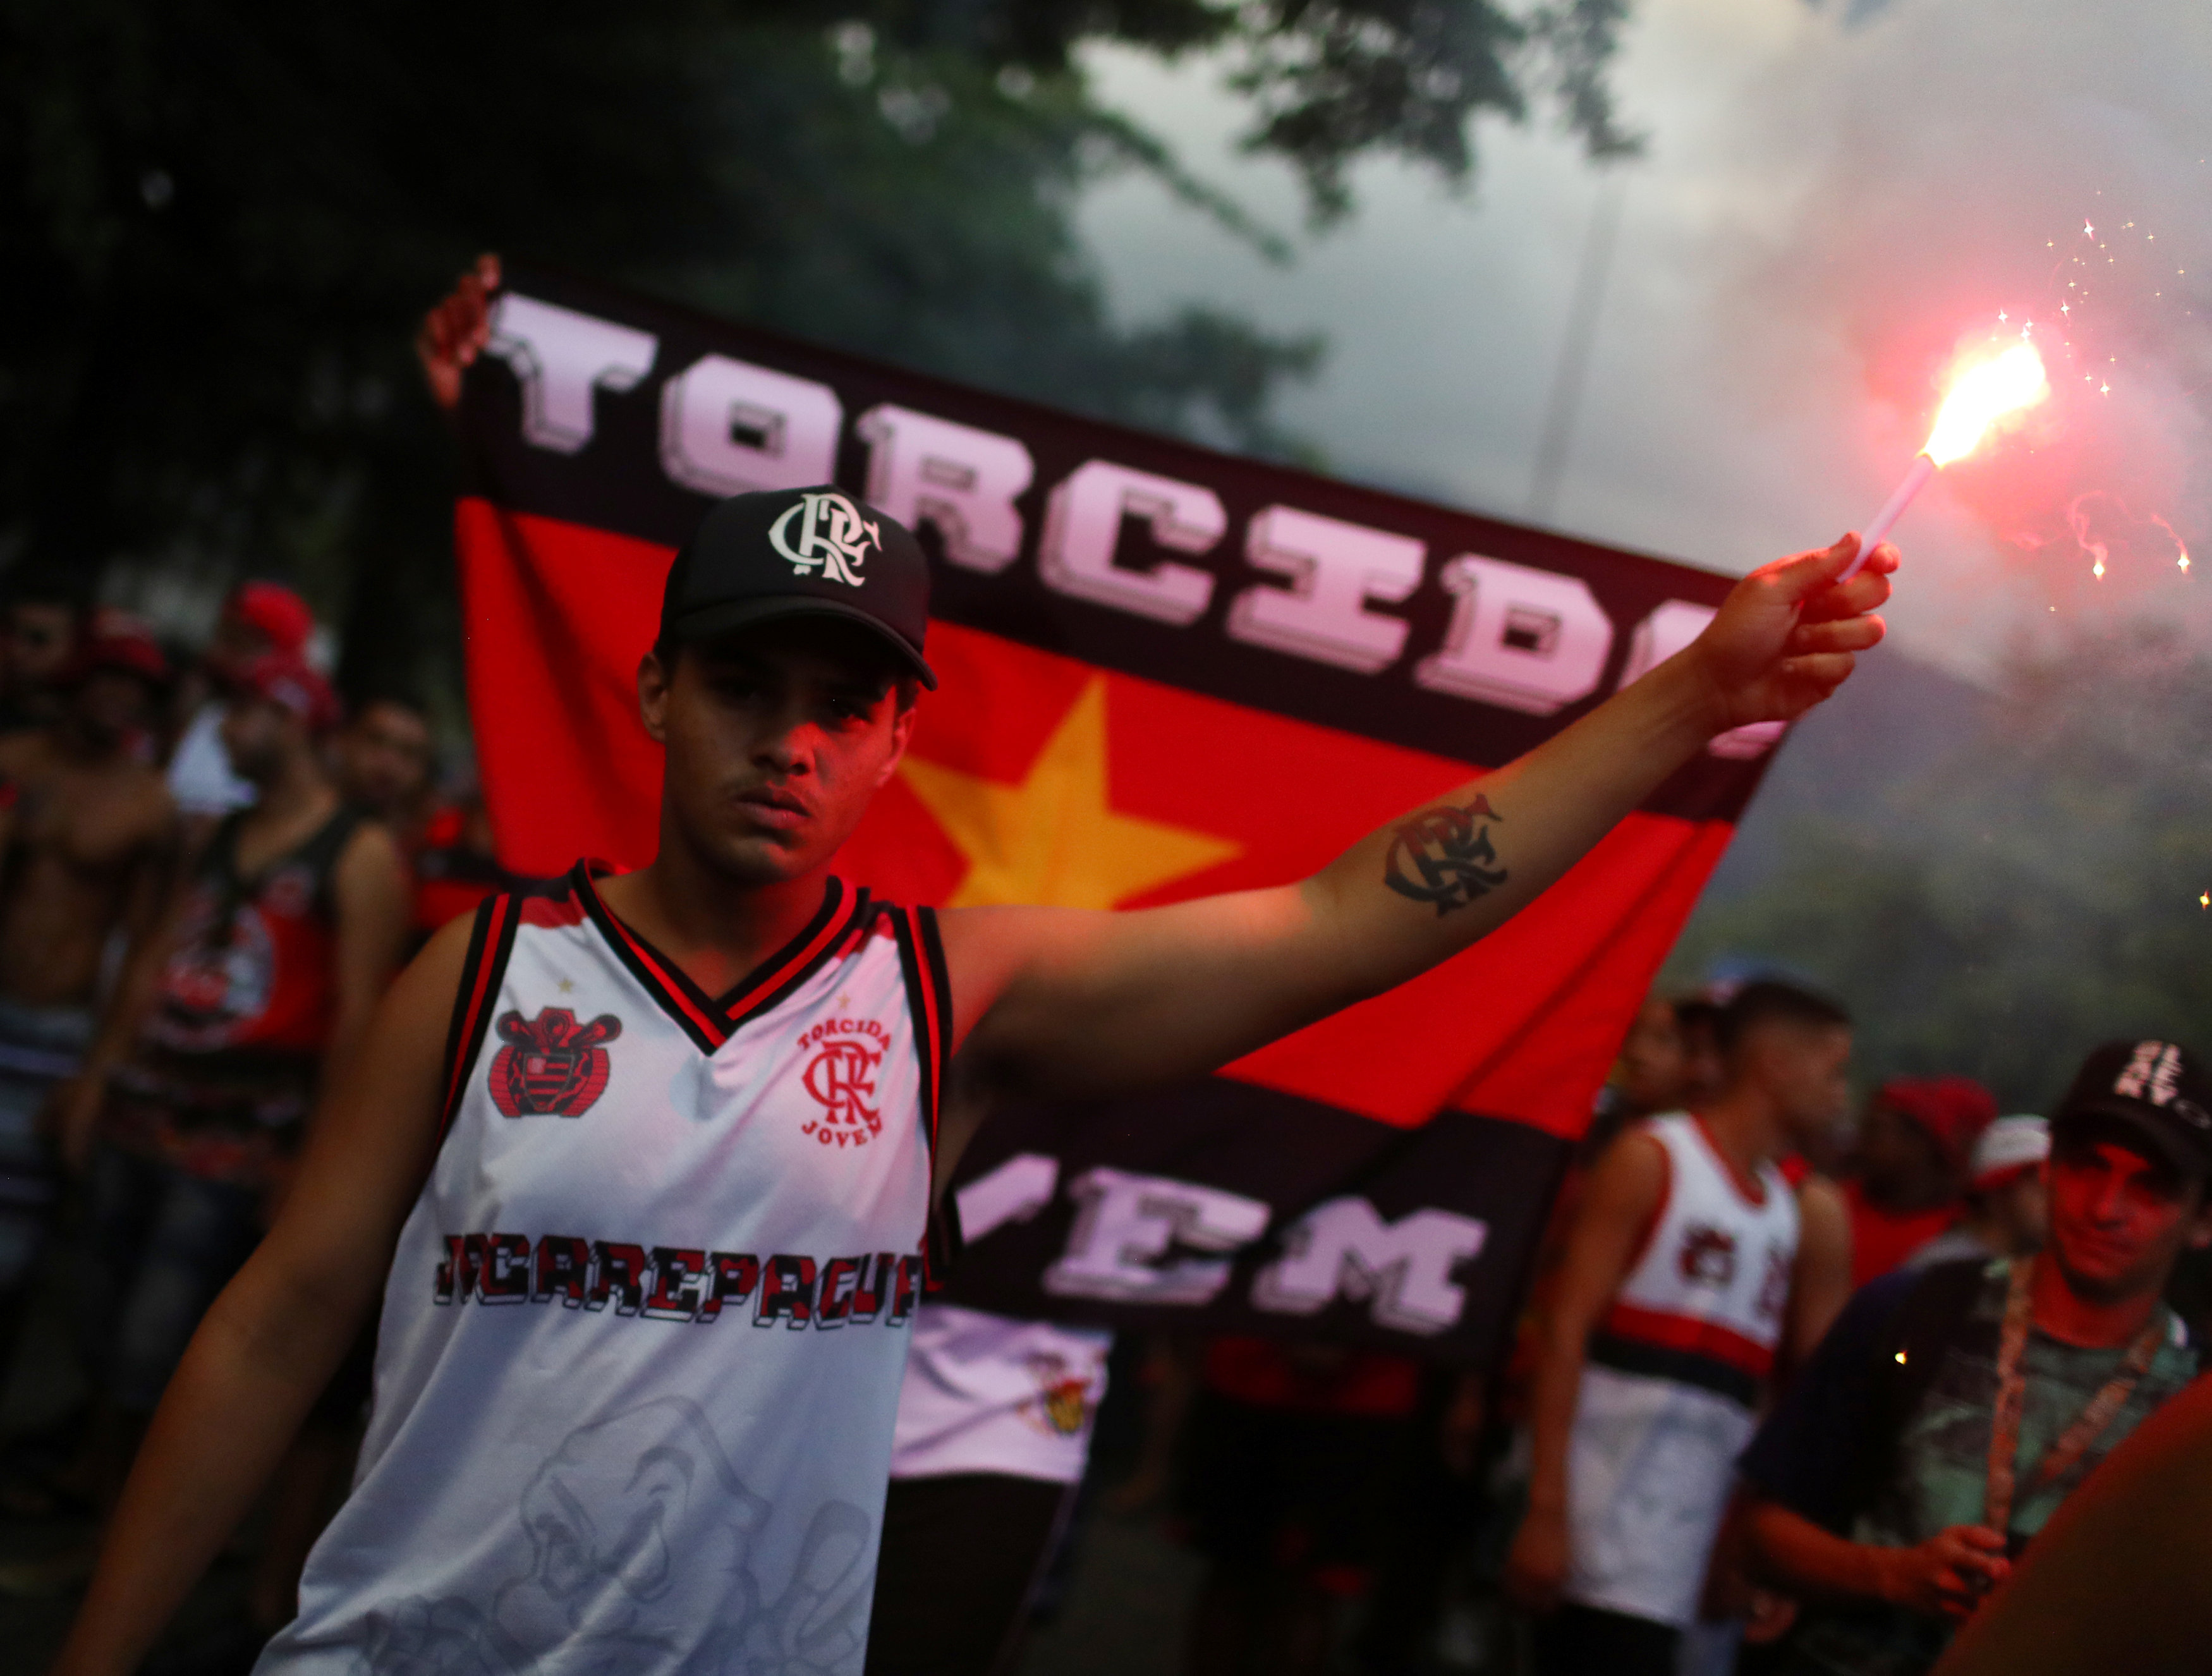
(86, 841)
(1295, 1463)
(1651, 1075)
(258, 620)
(255, 982)
(1691, 1268)
(995, 1420)
(2008, 1210)
(387, 764)
(1698, 1018)
(1907, 1175)
(386, 761)
(38, 638)
(456, 865)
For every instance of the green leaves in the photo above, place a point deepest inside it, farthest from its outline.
(229, 215)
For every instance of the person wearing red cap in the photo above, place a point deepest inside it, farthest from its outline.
(86, 833)
(257, 619)
(255, 985)
(1908, 1180)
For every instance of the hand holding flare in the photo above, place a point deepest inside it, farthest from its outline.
(1982, 395)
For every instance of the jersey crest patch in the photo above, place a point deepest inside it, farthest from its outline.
(552, 1066)
(1064, 1399)
(1708, 1255)
(842, 1078)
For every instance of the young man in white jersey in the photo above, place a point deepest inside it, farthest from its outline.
(1692, 1266)
(649, 1158)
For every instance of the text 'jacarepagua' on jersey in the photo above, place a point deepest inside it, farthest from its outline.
(675, 1283)
(632, 1172)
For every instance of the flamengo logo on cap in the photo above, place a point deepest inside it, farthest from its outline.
(2151, 1074)
(832, 534)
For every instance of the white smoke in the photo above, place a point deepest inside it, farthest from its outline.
(1833, 199)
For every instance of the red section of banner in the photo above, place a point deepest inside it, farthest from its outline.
(1034, 777)
(557, 617)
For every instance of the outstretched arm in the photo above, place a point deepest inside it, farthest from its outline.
(1069, 1003)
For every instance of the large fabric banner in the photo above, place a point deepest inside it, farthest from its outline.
(1166, 673)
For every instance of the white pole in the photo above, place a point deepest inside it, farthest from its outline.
(1870, 538)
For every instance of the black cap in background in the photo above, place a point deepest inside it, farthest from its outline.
(2158, 1089)
(800, 552)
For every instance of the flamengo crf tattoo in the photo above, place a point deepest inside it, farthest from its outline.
(1445, 856)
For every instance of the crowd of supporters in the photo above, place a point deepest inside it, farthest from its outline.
(211, 869)
(1750, 1422)
(1795, 1385)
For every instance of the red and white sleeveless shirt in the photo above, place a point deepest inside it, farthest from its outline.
(642, 1339)
(1676, 1369)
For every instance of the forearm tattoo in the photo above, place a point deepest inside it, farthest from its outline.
(1445, 856)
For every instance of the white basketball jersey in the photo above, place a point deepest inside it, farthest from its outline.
(642, 1339)
(1676, 1372)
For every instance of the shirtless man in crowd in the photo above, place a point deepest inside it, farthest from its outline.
(39, 630)
(85, 847)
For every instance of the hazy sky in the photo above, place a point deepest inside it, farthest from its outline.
(1827, 211)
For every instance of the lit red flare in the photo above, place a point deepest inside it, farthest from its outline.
(1982, 393)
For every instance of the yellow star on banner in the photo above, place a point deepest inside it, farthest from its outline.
(1055, 839)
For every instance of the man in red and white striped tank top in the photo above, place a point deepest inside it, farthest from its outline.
(644, 1161)
(1690, 1268)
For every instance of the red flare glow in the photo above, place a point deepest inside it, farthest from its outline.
(1982, 395)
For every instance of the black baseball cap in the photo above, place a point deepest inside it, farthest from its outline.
(800, 552)
(2158, 1090)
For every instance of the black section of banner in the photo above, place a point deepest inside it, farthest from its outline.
(616, 480)
(1293, 1155)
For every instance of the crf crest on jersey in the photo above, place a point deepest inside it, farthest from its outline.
(552, 1066)
(842, 1078)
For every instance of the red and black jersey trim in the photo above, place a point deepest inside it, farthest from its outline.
(711, 1021)
(491, 940)
(929, 1004)
(1707, 1355)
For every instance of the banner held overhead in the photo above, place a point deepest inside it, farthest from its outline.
(1165, 672)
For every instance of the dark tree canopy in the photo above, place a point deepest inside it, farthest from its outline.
(225, 216)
